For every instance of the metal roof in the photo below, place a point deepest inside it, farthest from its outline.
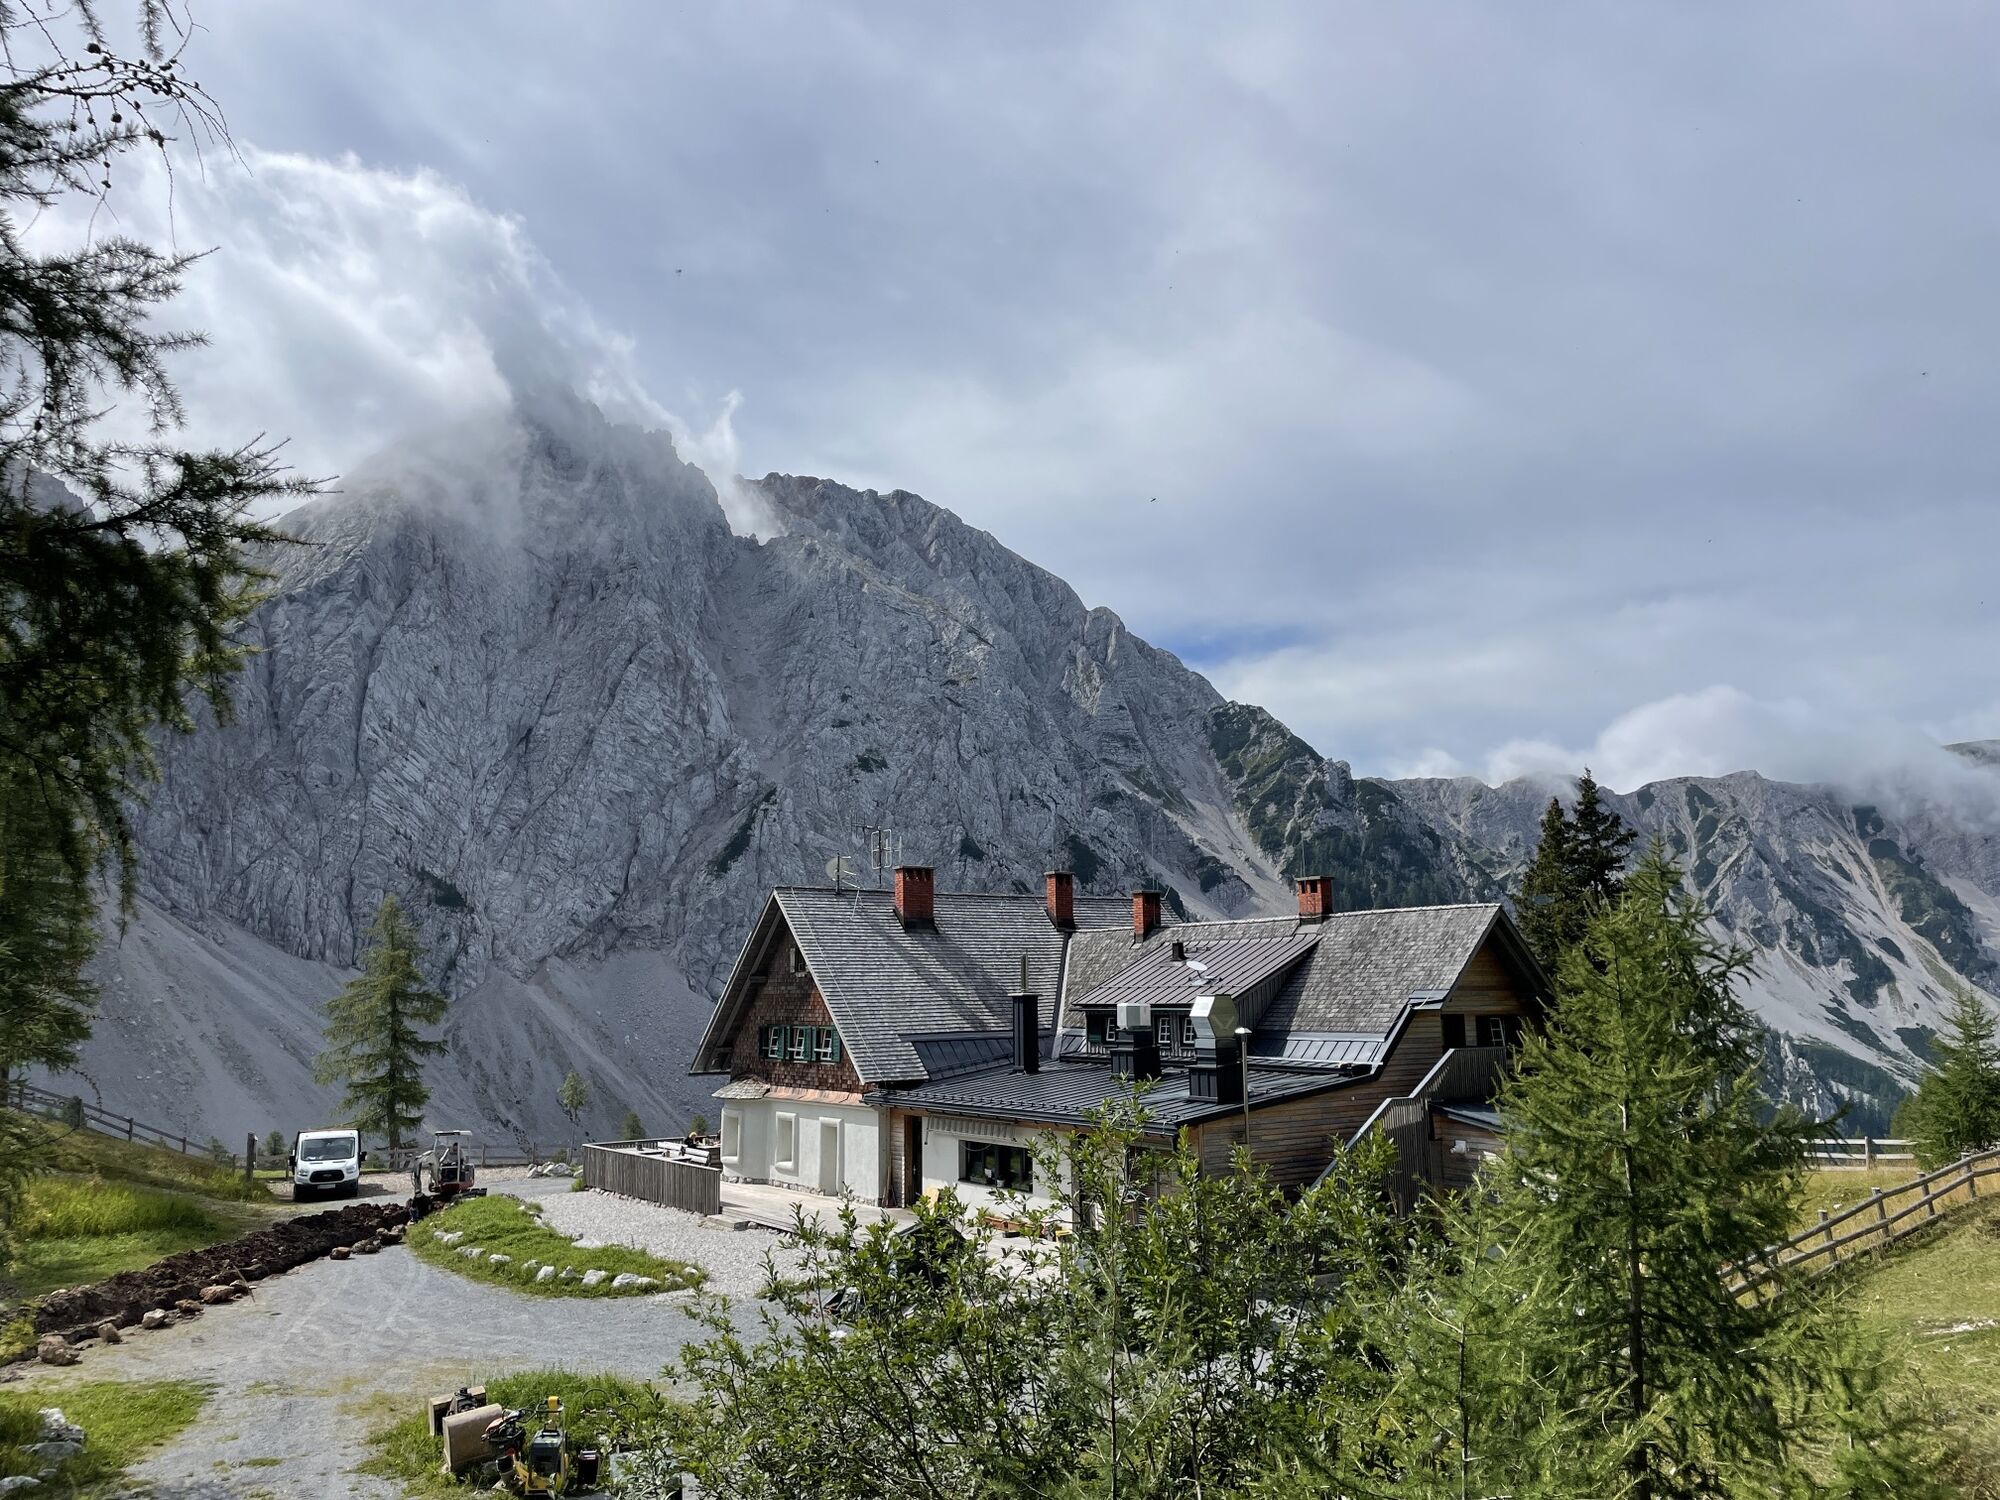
(1231, 964)
(1097, 954)
(1065, 1093)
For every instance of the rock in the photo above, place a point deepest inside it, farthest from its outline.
(16, 1484)
(449, 1236)
(52, 1454)
(568, 1274)
(547, 1273)
(188, 1306)
(472, 1252)
(369, 1246)
(109, 1333)
(595, 1277)
(53, 1349)
(626, 1279)
(57, 1428)
(212, 1296)
(159, 1317)
(497, 1259)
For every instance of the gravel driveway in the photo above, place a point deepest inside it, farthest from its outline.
(305, 1366)
(734, 1259)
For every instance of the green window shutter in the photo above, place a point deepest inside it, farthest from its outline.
(835, 1056)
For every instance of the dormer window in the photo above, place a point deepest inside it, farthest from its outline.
(1097, 1028)
(1187, 1031)
(1163, 1031)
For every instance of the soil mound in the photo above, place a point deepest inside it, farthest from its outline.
(76, 1312)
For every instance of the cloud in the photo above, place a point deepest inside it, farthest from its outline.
(1721, 729)
(353, 308)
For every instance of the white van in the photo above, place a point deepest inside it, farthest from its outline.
(326, 1163)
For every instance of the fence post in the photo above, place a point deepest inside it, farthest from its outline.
(250, 1157)
(128, 1127)
(1867, 1152)
(1832, 1254)
(1971, 1178)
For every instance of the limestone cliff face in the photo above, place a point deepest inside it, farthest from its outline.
(524, 676)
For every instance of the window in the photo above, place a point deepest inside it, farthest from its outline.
(732, 1135)
(785, 1153)
(1492, 1031)
(1454, 1031)
(1163, 1031)
(1097, 1028)
(771, 1041)
(826, 1044)
(991, 1165)
(801, 1039)
(1187, 1031)
(794, 959)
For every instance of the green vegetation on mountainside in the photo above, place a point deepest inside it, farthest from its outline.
(1377, 852)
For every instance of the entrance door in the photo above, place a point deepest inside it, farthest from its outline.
(829, 1157)
(913, 1160)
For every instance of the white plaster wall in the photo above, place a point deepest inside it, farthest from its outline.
(942, 1135)
(753, 1156)
(861, 1155)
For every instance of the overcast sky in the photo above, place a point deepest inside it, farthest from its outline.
(1478, 387)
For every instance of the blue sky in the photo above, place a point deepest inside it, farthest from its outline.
(1482, 387)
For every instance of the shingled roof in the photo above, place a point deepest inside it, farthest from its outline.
(889, 987)
(1370, 965)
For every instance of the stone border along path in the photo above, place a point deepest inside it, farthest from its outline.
(313, 1359)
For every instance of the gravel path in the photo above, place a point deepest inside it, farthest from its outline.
(733, 1258)
(305, 1366)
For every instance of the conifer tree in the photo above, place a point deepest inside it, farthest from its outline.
(1645, 1162)
(1956, 1108)
(376, 1032)
(123, 565)
(1578, 869)
(631, 1128)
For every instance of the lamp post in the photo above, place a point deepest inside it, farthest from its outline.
(1243, 1054)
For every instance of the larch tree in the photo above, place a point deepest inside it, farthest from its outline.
(124, 555)
(378, 1032)
(1956, 1108)
(1578, 869)
(1645, 1169)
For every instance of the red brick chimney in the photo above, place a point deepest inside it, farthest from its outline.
(1062, 900)
(1145, 913)
(914, 888)
(1315, 898)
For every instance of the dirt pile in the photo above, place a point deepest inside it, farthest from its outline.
(76, 1312)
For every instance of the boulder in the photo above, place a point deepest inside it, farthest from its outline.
(188, 1306)
(472, 1252)
(594, 1277)
(57, 1428)
(497, 1259)
(211, 1296)
(547, 1273)
(449, 1236)
(54, 1349)
(19, 1484)
(109, 1333)
(625, 1280)
(52, 1455)
(368, 1246)
(159, 1317)
(338, 1252)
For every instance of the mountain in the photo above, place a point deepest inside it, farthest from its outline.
(525, 675)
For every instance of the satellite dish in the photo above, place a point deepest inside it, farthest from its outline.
(1215, 1015)
(836, 870)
